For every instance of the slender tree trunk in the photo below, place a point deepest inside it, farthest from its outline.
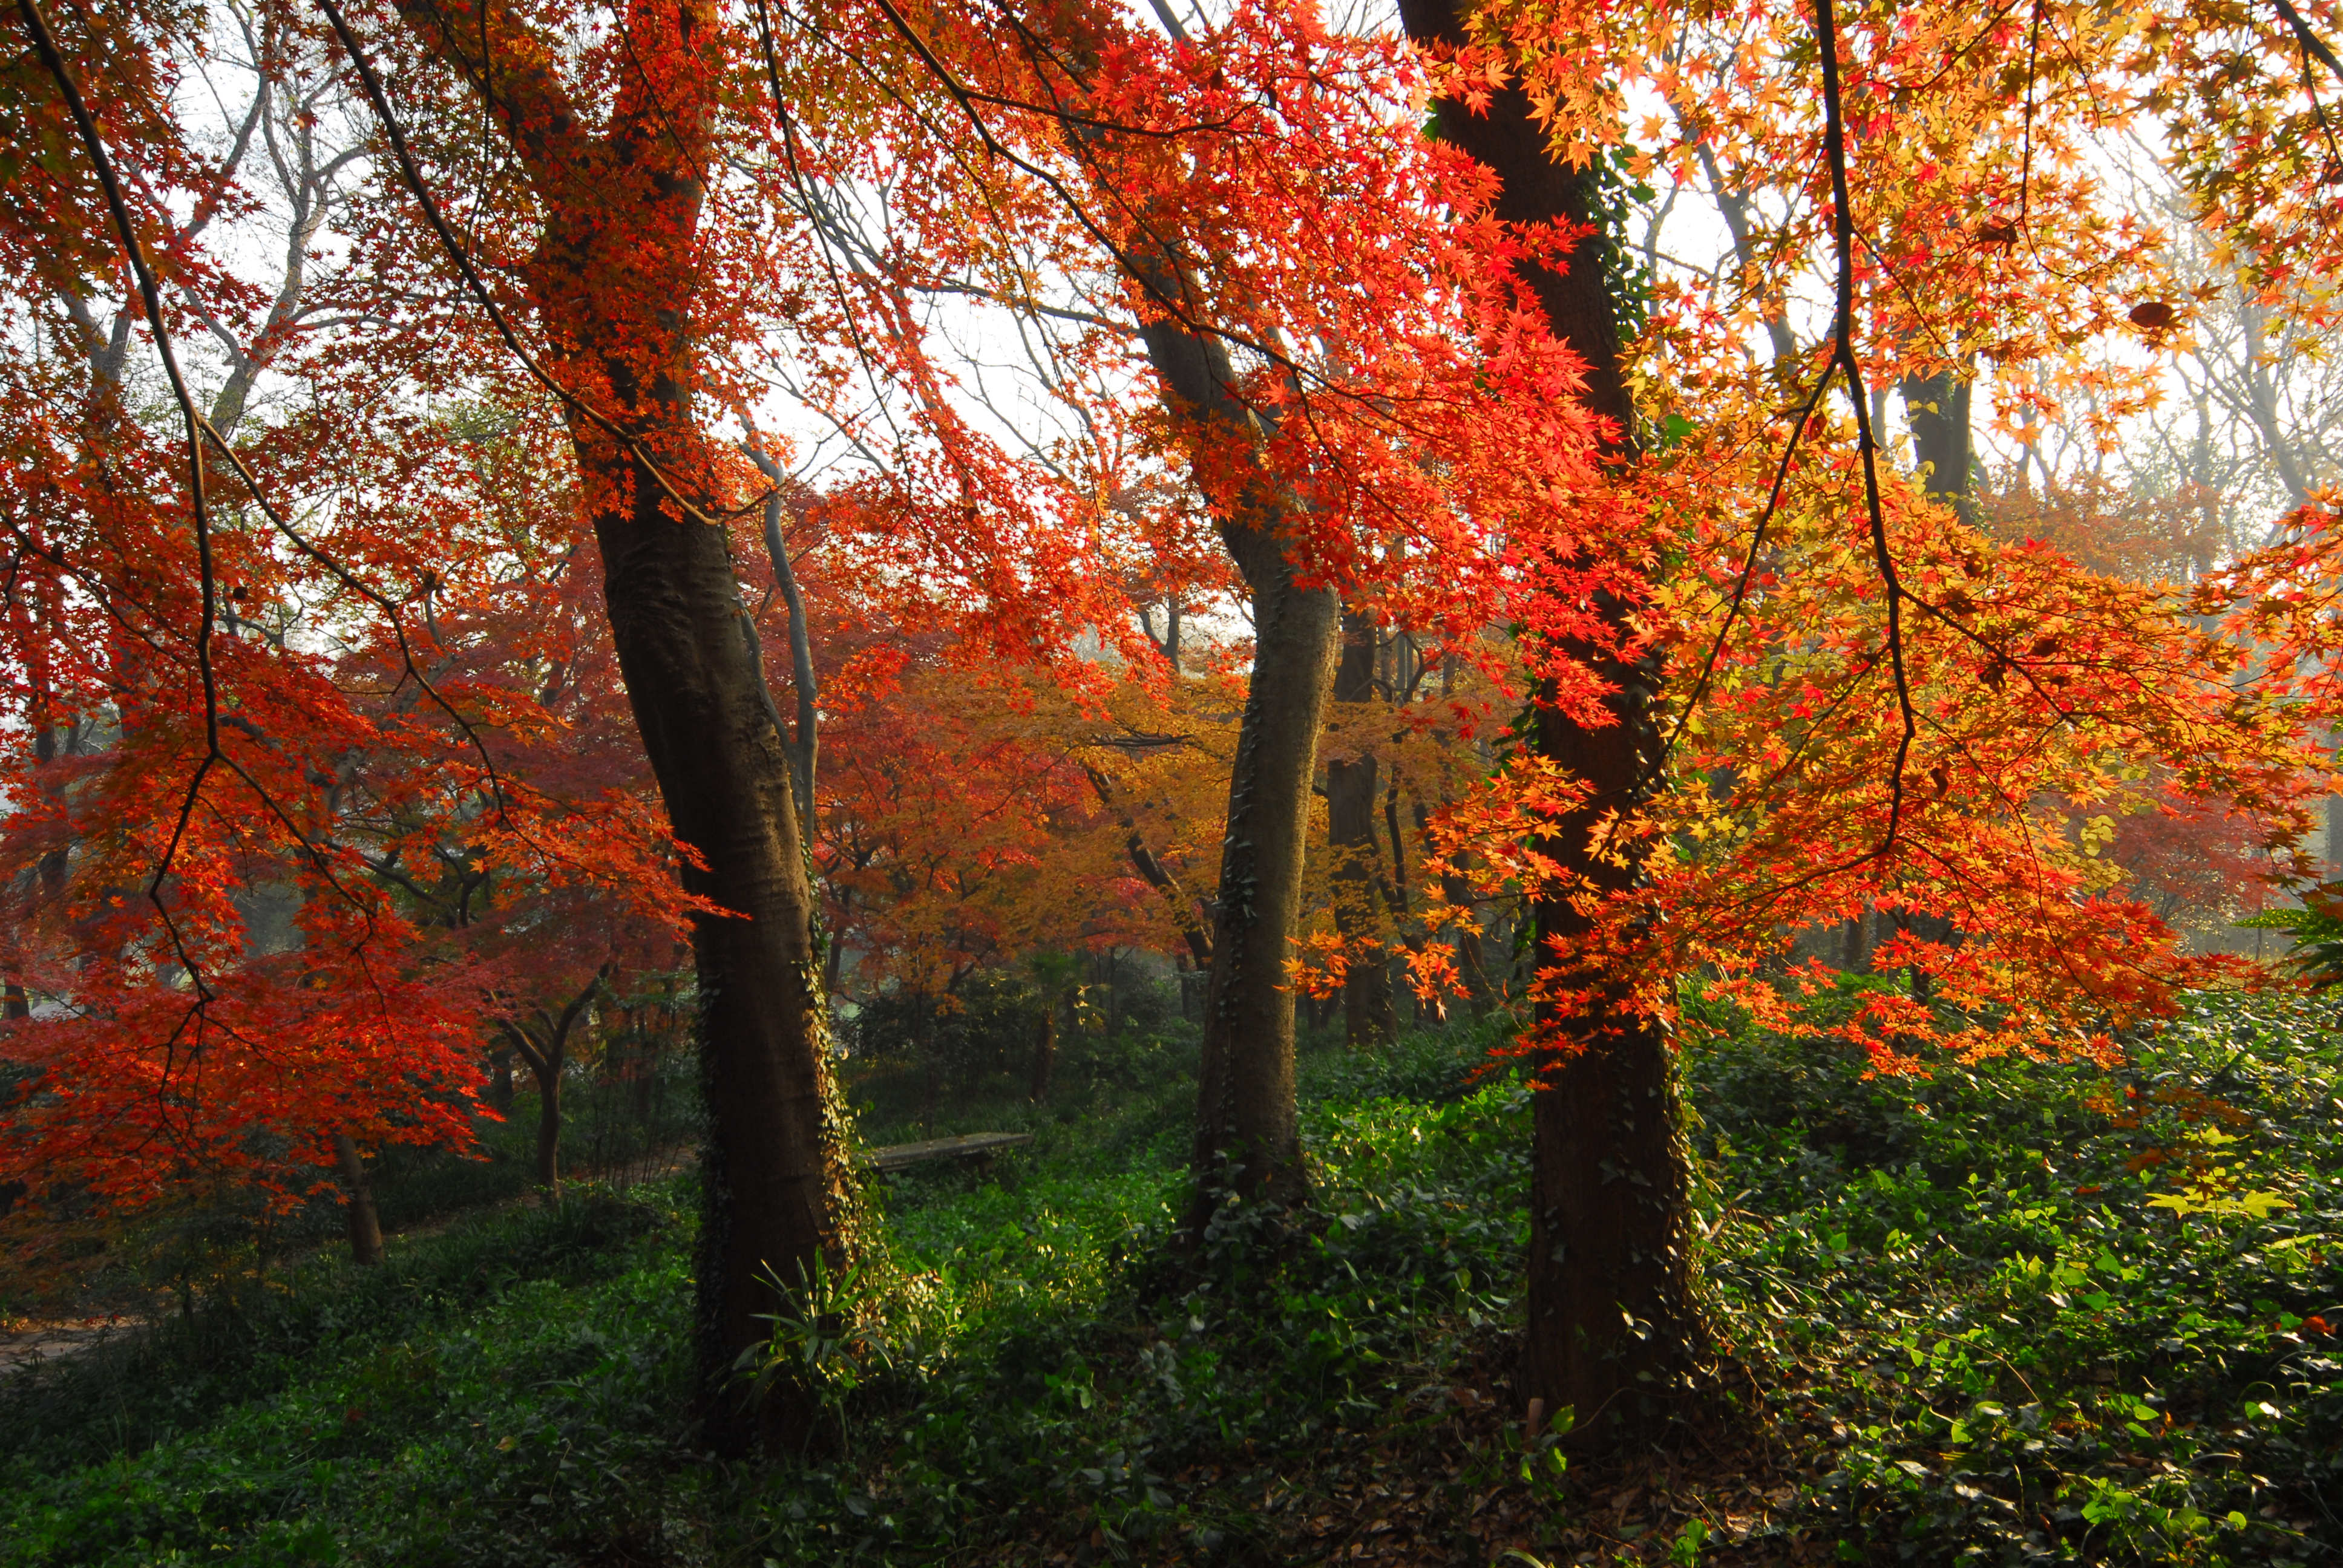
(1198, 934)
(358, 1202)
(1368, 1018)
(1045, 1052)
(1613, 1331)
(500, 1080)
(549, 1129)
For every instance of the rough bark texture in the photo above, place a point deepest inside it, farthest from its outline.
(1613, 1327)
(611, 281)
(358, 1202)
(1247, 1133)
(774, 1181)
(1369, 1019)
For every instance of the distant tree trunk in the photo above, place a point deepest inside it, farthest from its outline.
(500, 1080)
(1613, 1331)
(546, 1049)
(548, 1132)
(1045, 1052)
(1938, 408)
(1198, 934)
(17, 1004)
(358, 1202)
(1360, 916)
(1456, 891)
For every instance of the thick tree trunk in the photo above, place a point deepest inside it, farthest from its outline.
(1613, 1331)
(1368, 1018)
(775, 1179)
(358, 1202)
(612, 281)
(1247, 1133)
(1938, 408)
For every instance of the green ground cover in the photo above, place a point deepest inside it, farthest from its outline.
(2017, 1314)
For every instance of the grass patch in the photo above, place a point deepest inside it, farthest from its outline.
(1969, 1329)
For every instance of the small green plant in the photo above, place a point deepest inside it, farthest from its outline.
(2317, 932)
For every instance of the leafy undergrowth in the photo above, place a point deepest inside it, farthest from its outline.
(2017, 1314)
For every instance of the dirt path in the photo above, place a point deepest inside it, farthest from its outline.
(40, 1342)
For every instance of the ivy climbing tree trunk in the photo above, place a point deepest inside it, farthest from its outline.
(1615, 1335)
(611, 282)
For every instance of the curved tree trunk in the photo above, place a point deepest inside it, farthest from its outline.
(611, 280)
(1613, 1332)
(774, 1178)
(1248, 1135)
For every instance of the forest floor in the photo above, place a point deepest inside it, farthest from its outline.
(2019, 1312)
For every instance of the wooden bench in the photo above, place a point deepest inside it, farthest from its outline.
(976, 1146)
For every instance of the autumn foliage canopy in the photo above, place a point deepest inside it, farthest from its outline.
(318, 756)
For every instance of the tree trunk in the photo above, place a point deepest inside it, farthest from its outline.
(612, 280)
(1613, 1331)
(1248, 1135)
(500, 1080)
(1045, 1052)
(357, 1205)
(1368, 1018)
(1938, 408)
(549, 1129)
(775, 1181)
